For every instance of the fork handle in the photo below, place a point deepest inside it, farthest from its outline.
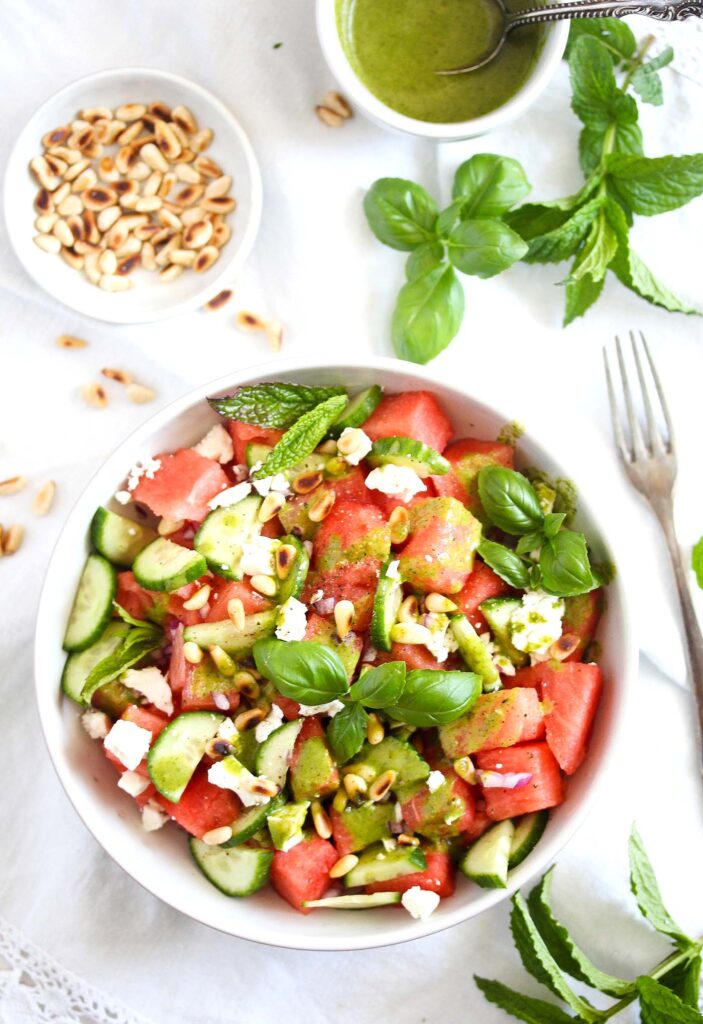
(660, 10)
(694, 638)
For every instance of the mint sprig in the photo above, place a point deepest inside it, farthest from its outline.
(667, 994)
(303, 437)
(273, 404)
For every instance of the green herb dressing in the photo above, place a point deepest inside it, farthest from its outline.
(395, 47)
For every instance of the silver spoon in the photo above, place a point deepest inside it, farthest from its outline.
(661, 10)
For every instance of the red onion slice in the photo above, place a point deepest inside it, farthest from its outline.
(504, 780)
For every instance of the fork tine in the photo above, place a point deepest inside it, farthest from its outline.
(654, 439)
(669, 442)
(614, 415)
(638, 445)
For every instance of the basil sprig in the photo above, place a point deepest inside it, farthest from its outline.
(302, 670)
(273, 404)
(511, 503)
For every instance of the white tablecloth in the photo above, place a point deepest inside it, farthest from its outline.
(317, 268)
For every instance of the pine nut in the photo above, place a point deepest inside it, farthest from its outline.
(130, 111)
(148, 204)
(221, 234)
(13, 485)
(205, 259)
(217, 836)
(12, 539)
(321, 820)
(284, 558)
(248, 719)
(169, 273)
(92, 270)
(351, 441)
(56, 137)
(182, 257)
(274, 333)
(167, 140)
(76, 170)
(399, 522)
(219, 300)
(148, 256)
(354, 785)
(63, 233)
(329, 117)
(408, 610)
(343, 617)
(246, 685)
(45, 222)
(84, 181)
(464, 767)
(140, 394)
(263, 785)
(95, 395)
(321, 506)
(270, 506)
(197, 235)
(364, 771)
(49, 243)
(199, 599)
(107, 261)
(344, 865)
(340, 801)
(98, 198)
(168, 526)
(184, 119)
(218, 204)
(221, 659)
(327, 447)
(235, 611)
(200, 141)
(406, 840)
(374, 729)
(192, 653)
(187, 174)
(189, 195)
(43, 173)
(410, 633)
(69, 341)
(262, 584)
(73, 259)
(249, 322)
(154, 158)
(218, 187)
(113, 283)
(130, 133)
(44, 498)
(43, 203)
(336, 102)
(381, 786)
(108, 216)
(439, 603)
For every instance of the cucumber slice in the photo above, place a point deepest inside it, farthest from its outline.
(260, 452)
(389, 595)
(79, 666)
(252, 821)
(486, 860)
(398, 755)
(358, 902)
(475, 653)
(245, 748)
(286, 824)
(357, 410)
(257, 453)
(117, 538)
(274, 754)
(404, 451)
(224, 532)
(165, 566)
(497, 612)
(528, 832)
(178, 751)
(379, 865)
(92, 605)
(114, 698)
(292, 585)
(236, 642)
(238, 871)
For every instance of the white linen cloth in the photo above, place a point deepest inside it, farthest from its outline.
(317, 268)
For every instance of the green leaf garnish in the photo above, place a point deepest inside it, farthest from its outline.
(697, 561)
(346, 732)
(509, 500)
(303, 437)
(274, 405)
(520, 1006)
(140, 640)
(565, 566)
(659, 1005)
(302, 670)
(644, 885)
(381, 686)
(400, 213)
(433, 697)
(505, 563)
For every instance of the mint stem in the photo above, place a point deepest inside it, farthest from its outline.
(660, 971)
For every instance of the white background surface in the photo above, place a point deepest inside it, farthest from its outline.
(317, 269)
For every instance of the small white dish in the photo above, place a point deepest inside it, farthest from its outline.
(149, 299)
(357, 93)
(160, 861)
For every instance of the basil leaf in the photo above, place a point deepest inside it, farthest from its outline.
(562, 242)
(593, 85)
(616, 36)
(658, 1005)
(346, 732)
(645, 888)
(303, 437)
(646, 81)
(435, 697)
(302, 670)
(651, 185)
(564, 564)
(553, 523)
(520, 1006)
(138, 642)
(580, 296)
(380, 686)
(427, 315)
(426, 257)
(505, 562)
(489, 185)
(509, 500)
(697, 561)
(601, 246)
(529, 542)
(400, 213)
(272, 405)
(484, 248)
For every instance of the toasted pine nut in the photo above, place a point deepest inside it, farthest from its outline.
(88, 179)
(364, 771)
(168, 526)
(114, 283)
(192, 653)
(197, 235)
(187, 174)
(108, 216)
(320, 820)
(399, 522)
(205, 259)
(350, 441)
(285, 557)
(246, 685)
(130, 133)
(221, 234)
(464, 767)
(91, 268)
(235, 610)
(263, 785)
(98, 198)
(45, 222)
(154, 158)
(410, 633)
(262, 584)
(336, 102)
(148, 204)
(49, 243)
(274, 333)
(328, 116)
(75, 170)
(130, 111)
(374, 729)
(327, 447)
(408, 610)
(44, 175)
(139, 394)
(183, 117)
(13, 485)
(199, 599)
(218, 187)
(148, 256)
(182, 257)
(218, 204)
(321, 506)
(564, 646)
(107, 261)
(270, 506)
(344, 865)
(219, 300)
(354, 785)
(221, 659)
(56, 137)
(189, 195)
(12, 539)
(248, 719)
(249, 322)
(381, 786)
(343, 617)
(217, 836)
(44, 498)
(95, 395)
(73, 259)
(199, 142)
(406, 840)
(439, 603)
(170, 272)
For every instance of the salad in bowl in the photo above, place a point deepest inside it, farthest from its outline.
(350, 655)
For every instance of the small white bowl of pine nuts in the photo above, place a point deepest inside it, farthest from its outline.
(132, 195)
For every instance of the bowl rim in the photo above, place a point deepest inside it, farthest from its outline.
(544, 68)
(409, 929)
(247, 235)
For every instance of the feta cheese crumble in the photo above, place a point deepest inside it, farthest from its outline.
(272, 721)
(229, 773)
(217, 445)
(123, 497)
(393, 570)
(133, 783)
(536, 624)
(142, 467)
(396, 480)
(434, 781)
(332, 708)
(501, 662)
(227, 730)
(440, 642)
(359, 442)
(150, 682)
(96, 723)
(153, 817)
(269, 484)
(231, 496)
(257, 557)
(419, 903)
(291, 621)
(128, 742)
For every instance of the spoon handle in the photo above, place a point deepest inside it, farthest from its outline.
(661, 10)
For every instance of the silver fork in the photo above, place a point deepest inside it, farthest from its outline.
(649, 459)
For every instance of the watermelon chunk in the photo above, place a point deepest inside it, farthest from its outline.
(414, 656)
(581, 617)
(437, 877)
(349, 487)
(244, 434)
(202, 806)
(440, 552)
(223, 591)
(571, 693)
(387, 502)
(481, 584)
(498, 719)
(302, 873)
(351, 532)
(443, 813)
(154, 721)
(415, 414)
(356, 583)
(182, 486)
(179, 670)
(206, 689)
(545, 789)
(467, 457)
(290, 708)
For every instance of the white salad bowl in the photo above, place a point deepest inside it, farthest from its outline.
(149, 299)
(542, 72)
(160, 861)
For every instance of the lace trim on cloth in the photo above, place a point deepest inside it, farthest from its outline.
(36, 989)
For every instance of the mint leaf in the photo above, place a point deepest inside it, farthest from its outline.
(625, 137)
(505, 563)
(561, 243)
(272, 405)
(564, 950)
(616, 36)
(593, 84)
(646, 81)
(580, 296)
(658, 1005)
(427, 315)
(400, 213)
(423, 259)
(484, 248)
(697, 561)
(303, 437)
(138, 642)
(522, 1007)
(685, 980)
(346, 732)
(489, 185)
(540, 963)
(643, 883)
(381, 686)
(651, 185)
(601, 245)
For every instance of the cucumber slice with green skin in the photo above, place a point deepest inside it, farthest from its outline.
(404, 451)
(286, 825)
(398, 755)
(292, 585)
(223, 534)
(236, 642)
(475, 653)
(528, 832)
(253, 819)
(274, 754)
(486, 860)
(260, 452)
(79, 666)
(389, 595)
(359, 902)
(357, 410)
(379, 865)
(257, 453)
(238, 871)
(497, 611)
(114, 698)
(178, 751)
(165, 566)
(117, 538)
(92, 605)
(245, 748)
